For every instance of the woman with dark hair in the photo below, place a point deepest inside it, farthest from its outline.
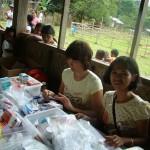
(80, 90)
(35, 18)
(29, 23)
(126, 115)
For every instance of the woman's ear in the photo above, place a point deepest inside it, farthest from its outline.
(134, 77)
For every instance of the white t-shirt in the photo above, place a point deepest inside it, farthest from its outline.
(7, 45)
(40, 17)
(9, 21)
(79, 92)
(28, 29)
(126, 114)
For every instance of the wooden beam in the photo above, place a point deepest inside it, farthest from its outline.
(139, 28)
(63, 26)
(20, 15)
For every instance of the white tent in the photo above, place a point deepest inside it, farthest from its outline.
(115, 21)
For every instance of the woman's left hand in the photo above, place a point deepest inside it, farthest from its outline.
(66, 102)
(115, 140)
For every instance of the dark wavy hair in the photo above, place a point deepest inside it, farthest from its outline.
(81, 51)
(48, 29)
(131, 65)
(115, 52)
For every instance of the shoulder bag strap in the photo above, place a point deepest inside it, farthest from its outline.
(114, 115)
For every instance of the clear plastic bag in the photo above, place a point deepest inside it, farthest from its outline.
(18, 96)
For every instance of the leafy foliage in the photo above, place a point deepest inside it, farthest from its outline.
(93, 9)
(127, 11)
(51, 6)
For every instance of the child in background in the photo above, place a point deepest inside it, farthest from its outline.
(28, 29)
(7, 46)
(100, 54)
(29, 24)
(48, 33)
(106, 57)
(126, 115)
(74, 29)
(38, 29)
(114, 54)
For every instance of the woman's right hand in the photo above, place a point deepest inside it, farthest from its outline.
(47, 94)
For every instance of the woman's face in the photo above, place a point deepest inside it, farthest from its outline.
(121, 77)
(34, 14)
(75, 65)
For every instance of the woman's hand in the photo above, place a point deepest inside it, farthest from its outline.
(115, 140)
(66, 102)
(47, 94)
(80, 115)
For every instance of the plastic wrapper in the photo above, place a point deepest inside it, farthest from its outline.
(21, 141)
(5, 103)
(18, 96)
(68, 133)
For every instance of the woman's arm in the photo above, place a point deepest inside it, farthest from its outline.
(95, 101)
(96, 105)
(142, 132)
(142, 136)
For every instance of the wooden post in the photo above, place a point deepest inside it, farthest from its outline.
(20, 15)
(63, 26)
(139, 28)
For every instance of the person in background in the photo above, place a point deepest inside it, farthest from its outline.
(114, 54)
(74, 29)
(48, 33)
(29, 24)
(80, 89)
(7, 46)
(41, 16)
(100, 54)
(35, 19)
(106, 57)
(9, 16)
(38, 29)
(28, 29)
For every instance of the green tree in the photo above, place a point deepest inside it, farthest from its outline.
(51, 6)
(93, 9)
(127, 12)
